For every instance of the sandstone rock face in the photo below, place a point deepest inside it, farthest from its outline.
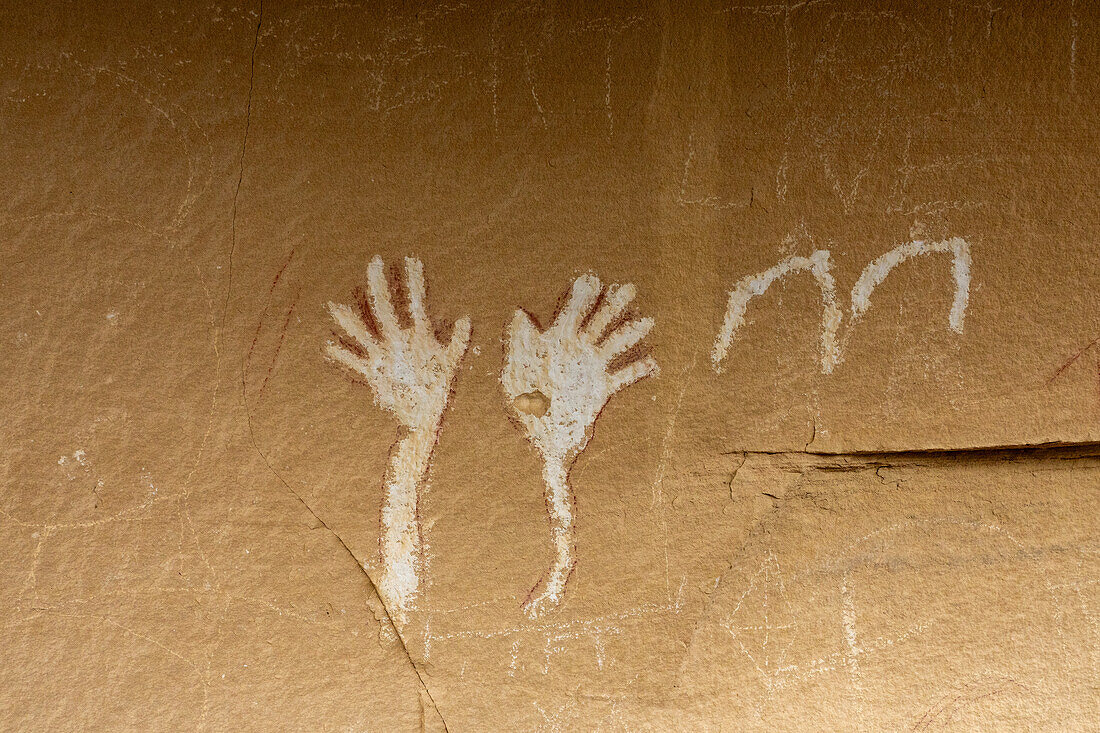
(507, 366)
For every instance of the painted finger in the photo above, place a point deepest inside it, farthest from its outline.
(380, 299)
(460, 339)
(618, 298)
(521, 330)
(414, 279)
(624, 337)
(631, 373)
(586, 289)
(354, 362)
(521, 339)
(350, 321)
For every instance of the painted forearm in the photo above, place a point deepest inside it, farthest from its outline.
(400, 537)
(559, 502)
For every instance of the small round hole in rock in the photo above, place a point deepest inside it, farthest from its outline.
(532, 403)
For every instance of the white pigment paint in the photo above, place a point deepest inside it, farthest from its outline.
(563, 378)
(78, 455)
(873, 275)
(848, 620)
(820, 267)
(410, 375)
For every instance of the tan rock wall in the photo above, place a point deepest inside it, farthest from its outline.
(870, 505)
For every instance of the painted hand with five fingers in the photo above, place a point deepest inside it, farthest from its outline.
(410, 374)
(409, 371)
(557, 382)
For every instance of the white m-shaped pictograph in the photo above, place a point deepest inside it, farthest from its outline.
(880, 267)
(819, 266)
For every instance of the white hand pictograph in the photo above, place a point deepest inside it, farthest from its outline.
(557, 381)
(410, 374)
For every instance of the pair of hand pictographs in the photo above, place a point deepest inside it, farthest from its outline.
(556, 381)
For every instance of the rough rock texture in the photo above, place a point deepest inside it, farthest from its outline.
(892, 526)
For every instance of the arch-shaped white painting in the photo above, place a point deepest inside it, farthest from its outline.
(880, 267)
(819, 266)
